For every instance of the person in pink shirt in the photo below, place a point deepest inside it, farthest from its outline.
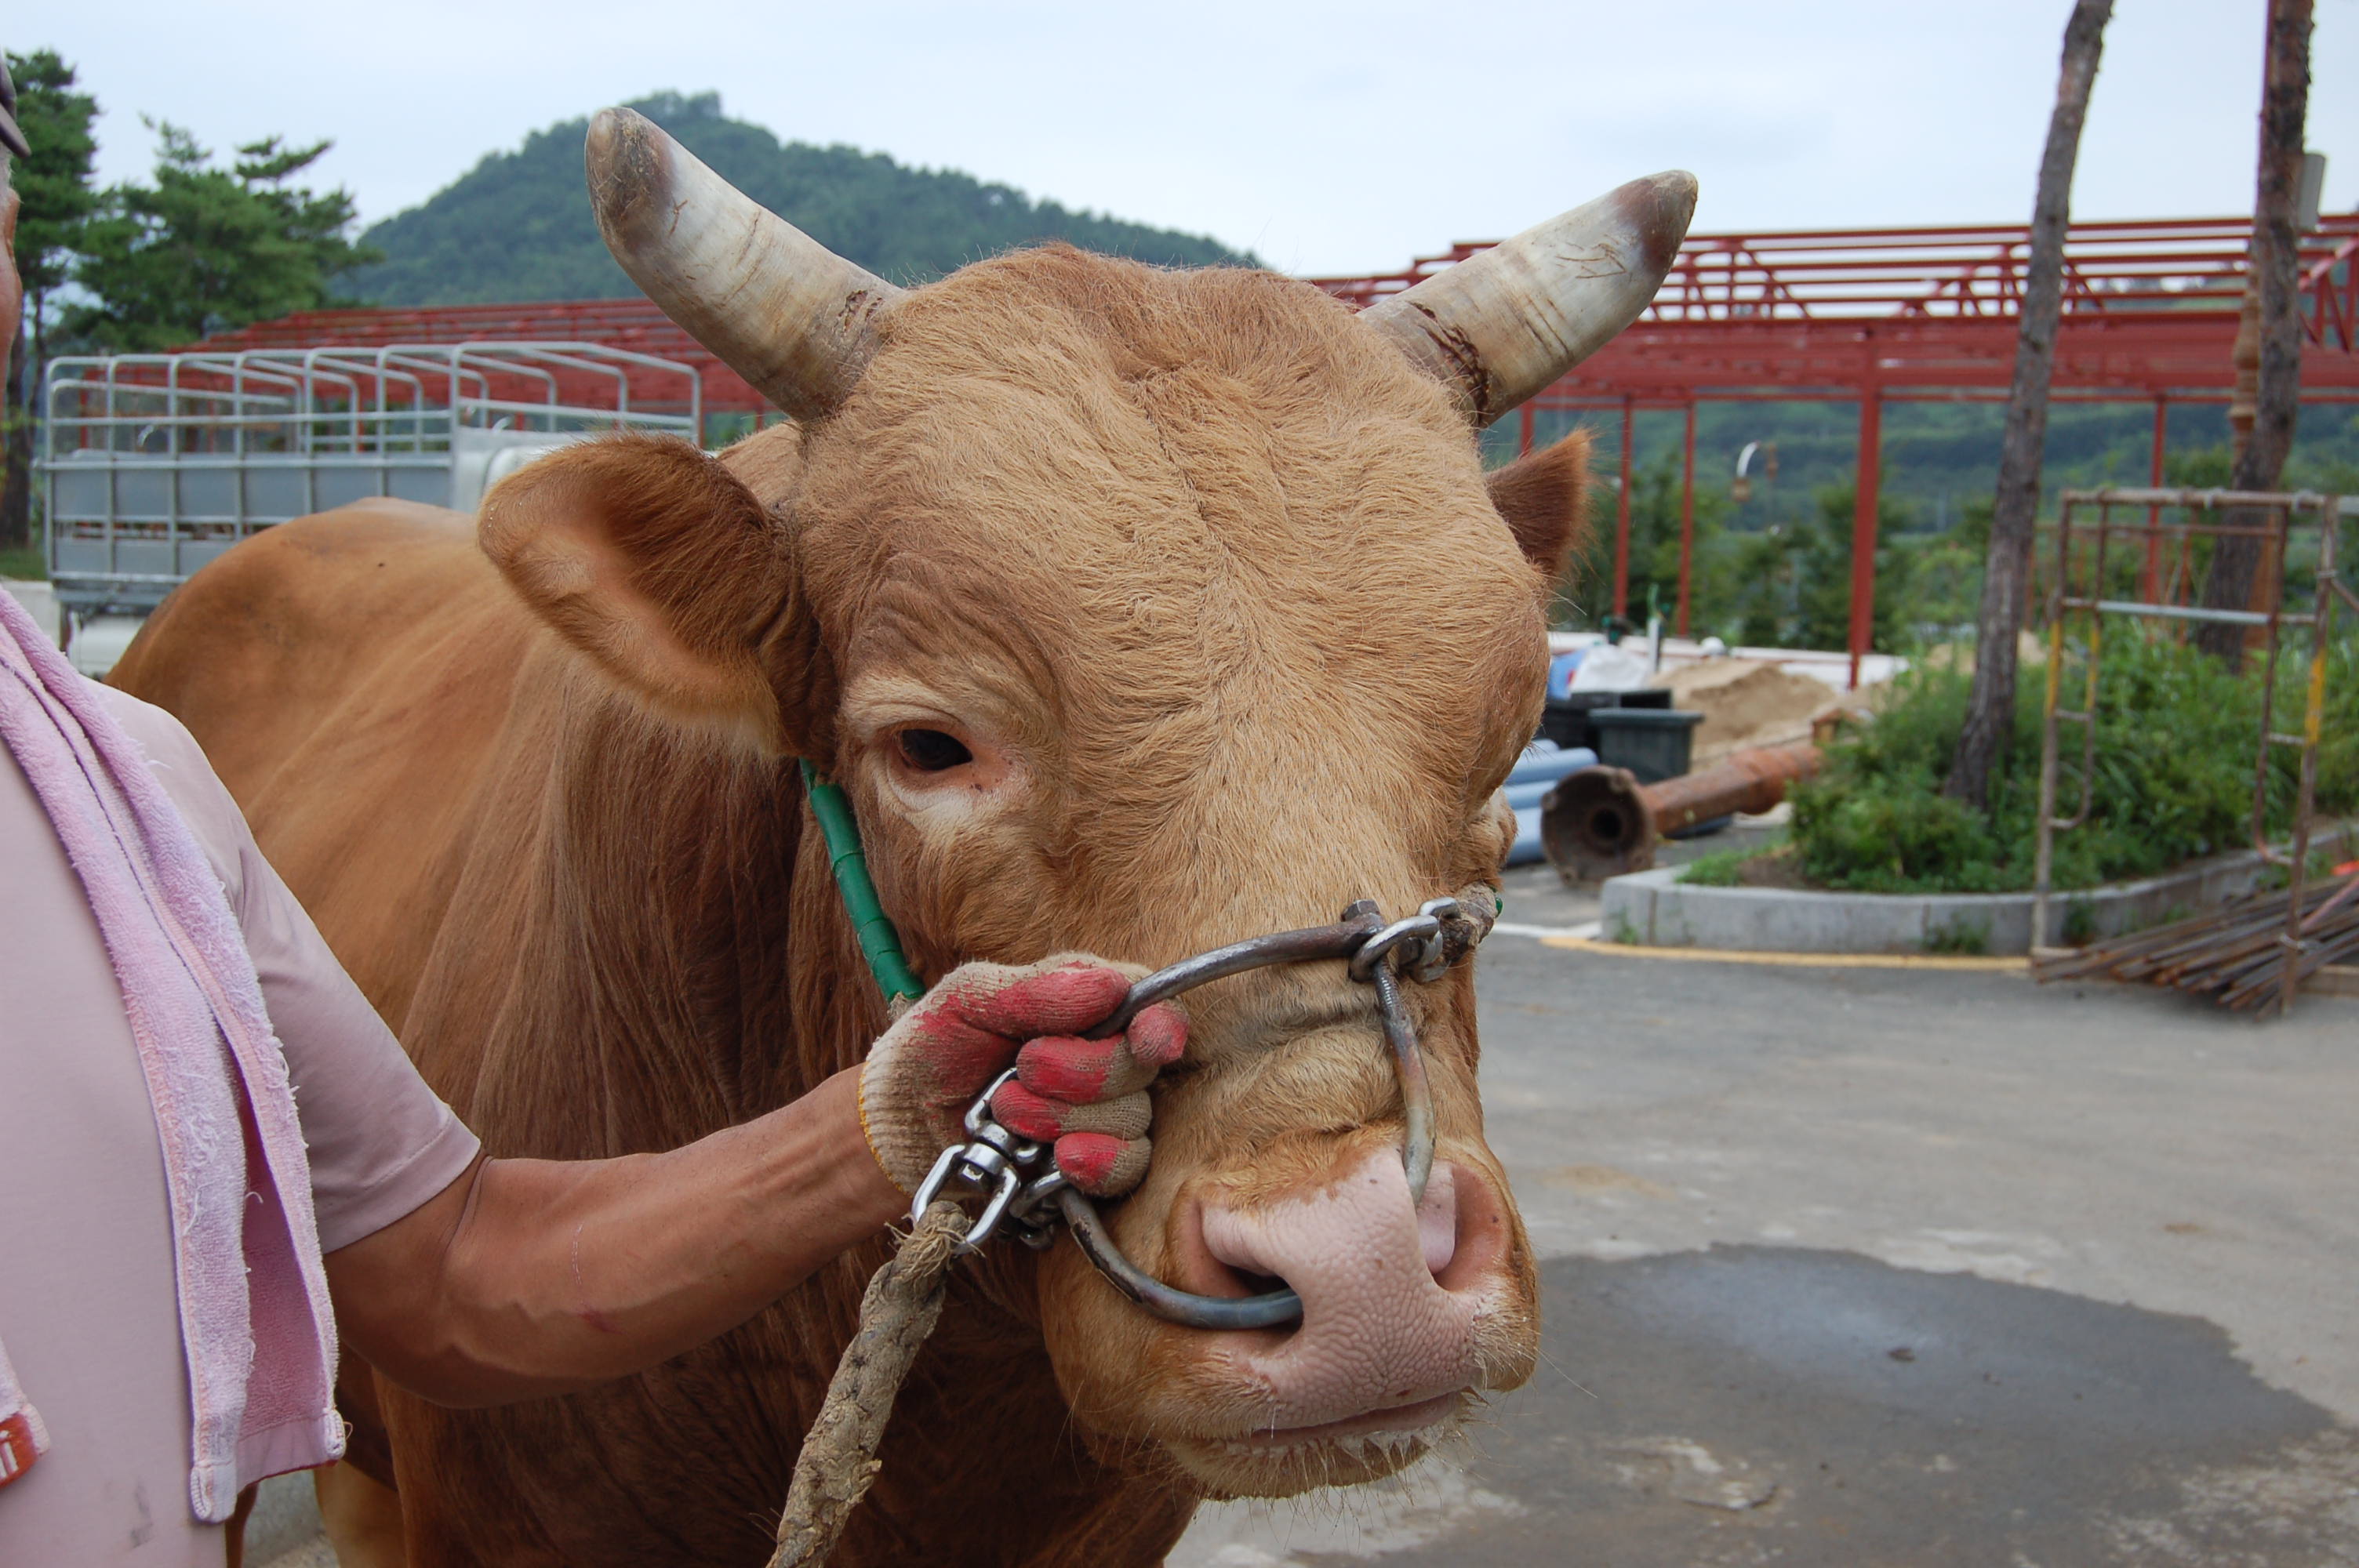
(209, 1139)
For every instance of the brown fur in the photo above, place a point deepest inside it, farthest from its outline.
(1198, 551)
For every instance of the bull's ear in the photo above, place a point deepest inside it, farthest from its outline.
(654, 561)
(1544, 496)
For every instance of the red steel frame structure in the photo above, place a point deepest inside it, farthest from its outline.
(1878, 316)
(1870, 316)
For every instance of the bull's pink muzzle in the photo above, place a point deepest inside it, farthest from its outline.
(1392, 1293)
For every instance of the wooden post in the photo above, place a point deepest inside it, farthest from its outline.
(1864, 525)
(1687, 522)
(1622, 515)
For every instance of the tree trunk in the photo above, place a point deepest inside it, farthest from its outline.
(16, 479)
(1990, 714)
(2237, 579)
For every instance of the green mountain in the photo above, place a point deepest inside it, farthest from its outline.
(517, 225)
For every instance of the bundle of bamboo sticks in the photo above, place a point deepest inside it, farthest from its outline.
(2237, 953)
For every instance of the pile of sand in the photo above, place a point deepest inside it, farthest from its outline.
(1745, 702)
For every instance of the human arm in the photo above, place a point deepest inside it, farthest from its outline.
(531, 1277)
(526, 1277)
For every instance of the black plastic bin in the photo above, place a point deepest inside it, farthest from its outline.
(1655, 743)
(1567, 720)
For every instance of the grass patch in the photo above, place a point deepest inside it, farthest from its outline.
(1769, 865)
(25, 561)
(1721, 869)
(1965, 938)
(2172, 779)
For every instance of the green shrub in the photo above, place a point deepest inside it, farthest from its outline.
(2172, 780)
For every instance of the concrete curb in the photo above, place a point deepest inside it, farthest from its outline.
(1656, 908)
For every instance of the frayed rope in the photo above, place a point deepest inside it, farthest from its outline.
(838, 1461)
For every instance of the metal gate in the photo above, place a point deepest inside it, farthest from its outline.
(2166, 525)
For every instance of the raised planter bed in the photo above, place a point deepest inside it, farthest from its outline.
(1657, 910)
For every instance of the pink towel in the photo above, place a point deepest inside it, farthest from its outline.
(254, 1318)
(23, 1438)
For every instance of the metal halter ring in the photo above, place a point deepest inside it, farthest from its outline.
(998, 1162)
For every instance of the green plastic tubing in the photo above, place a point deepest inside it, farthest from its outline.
(879, 943)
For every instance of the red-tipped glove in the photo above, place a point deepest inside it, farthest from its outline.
(1087, 1097)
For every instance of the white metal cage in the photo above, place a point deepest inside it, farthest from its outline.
(154, 464)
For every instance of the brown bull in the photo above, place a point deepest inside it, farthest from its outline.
(1137, 612)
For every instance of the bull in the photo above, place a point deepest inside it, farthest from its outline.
(1137, 610)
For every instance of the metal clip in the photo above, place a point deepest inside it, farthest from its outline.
(1418, 937)
(995, 1161)
(1435, 958)
(1033, 1217)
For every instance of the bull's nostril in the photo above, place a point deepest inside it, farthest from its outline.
(1196, 1267)
(1482, 1234)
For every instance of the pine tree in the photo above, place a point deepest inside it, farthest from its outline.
(54, 185)
(204, 250)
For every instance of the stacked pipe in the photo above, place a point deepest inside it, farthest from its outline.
(1529, 782)
(1601, 822)
(2236, 954)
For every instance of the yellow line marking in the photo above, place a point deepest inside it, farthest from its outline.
(1798, 960)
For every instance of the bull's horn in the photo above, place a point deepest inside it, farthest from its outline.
(1501, 325)
(795, 319)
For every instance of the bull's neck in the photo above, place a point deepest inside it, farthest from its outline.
(683, 962)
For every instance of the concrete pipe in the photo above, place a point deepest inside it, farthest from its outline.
(1601, 822)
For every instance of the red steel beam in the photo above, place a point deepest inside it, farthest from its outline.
(2150, 574)
(1863, 525)
(1687, 520)
(1622, 515)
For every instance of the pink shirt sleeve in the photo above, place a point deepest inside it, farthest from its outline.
(381, 1141)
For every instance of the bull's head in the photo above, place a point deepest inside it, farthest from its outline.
(1140, 611)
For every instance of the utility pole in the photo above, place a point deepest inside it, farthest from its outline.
(2007, 575)
(2268, 341)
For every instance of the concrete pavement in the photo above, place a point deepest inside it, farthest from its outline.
(1853, 1267)
(1850, 1267)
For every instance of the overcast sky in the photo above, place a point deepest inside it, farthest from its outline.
(1328, 138)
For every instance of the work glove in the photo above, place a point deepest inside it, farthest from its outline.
(1088, 1098)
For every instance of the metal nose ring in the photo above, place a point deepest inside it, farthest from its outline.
(1360, 931)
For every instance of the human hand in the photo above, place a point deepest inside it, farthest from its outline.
(1086, 1096)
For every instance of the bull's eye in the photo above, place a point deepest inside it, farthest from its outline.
(931, 751)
